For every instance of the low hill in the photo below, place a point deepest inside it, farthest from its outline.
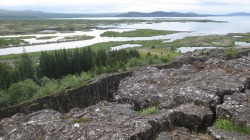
(161, 14)
(11, 14)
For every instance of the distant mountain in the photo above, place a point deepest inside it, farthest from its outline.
(11, 14)
(30, 14)
(161, 14)
(239, 14)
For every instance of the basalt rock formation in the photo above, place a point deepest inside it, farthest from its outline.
(190, 94)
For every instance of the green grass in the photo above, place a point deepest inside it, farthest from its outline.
(203, 41)
(149, 111)
(209, 40)
(46, 37)
(230, 51)
(155, 46)
(137, 33)
(226, 124)
(159, 52)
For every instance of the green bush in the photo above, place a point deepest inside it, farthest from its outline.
(134, 62)
(22, 91)
(49, 87)
(4, 99)
(226, 124)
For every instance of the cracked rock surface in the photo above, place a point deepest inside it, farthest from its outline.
(189, 99)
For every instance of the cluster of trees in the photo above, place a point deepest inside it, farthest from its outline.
(23, 69)
(60, 70)
(64, 62)
(55, 72)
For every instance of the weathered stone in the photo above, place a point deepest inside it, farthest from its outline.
(181, 134)
(218, 134)
(236, 108)
(102, 121)
(192, 117)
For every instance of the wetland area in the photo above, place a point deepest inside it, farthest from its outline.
(169, 33)
(138, 66)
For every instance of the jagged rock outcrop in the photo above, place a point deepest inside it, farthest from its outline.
(190, 94)
(104, 121)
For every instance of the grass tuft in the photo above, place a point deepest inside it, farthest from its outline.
(149, 110)
(226, 124)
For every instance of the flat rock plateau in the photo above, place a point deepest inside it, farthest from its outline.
(190, 94)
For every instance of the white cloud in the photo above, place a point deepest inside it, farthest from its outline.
(95, 6)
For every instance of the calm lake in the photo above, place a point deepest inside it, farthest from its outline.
(232, 25)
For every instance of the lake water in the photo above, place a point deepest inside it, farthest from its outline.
(188, 49)
(125, 46)
(232, 25)
(242, 44)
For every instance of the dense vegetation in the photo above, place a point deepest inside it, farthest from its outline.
(57, 71)
(64, 62)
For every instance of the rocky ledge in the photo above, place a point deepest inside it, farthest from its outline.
(189, 97)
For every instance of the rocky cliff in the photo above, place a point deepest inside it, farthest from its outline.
(190, 94)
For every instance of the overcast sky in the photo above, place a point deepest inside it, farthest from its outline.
(118, 6)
